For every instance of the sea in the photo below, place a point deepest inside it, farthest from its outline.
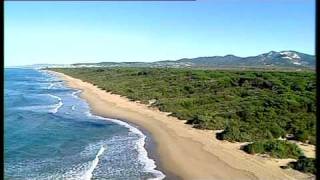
(50, 133)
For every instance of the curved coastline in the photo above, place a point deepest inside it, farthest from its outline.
(150, 164)
(186, 152)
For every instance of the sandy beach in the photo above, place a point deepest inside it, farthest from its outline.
(189, 153)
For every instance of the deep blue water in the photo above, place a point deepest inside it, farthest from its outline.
(50, 134)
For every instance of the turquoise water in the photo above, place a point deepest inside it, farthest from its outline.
(50, 134)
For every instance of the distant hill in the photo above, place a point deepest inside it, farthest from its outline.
(40, 66)
(273, 59)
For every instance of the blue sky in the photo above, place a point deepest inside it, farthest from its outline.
(70, 32)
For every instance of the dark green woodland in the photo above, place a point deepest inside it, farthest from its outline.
(249, 106)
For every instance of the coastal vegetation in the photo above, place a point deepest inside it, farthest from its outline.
(304, 164)
(249, 106)
(274, 148)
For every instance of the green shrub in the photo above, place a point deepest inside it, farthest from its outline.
(275, 148)
(305, 164)
(233, 132)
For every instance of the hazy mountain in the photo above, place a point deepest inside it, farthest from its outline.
(282, 59)
(272, 58)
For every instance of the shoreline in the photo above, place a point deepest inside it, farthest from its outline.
(193, 153)
(151, 147)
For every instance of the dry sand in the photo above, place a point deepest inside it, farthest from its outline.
(187, 152)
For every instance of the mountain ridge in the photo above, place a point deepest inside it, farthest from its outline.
(272, 59)
(287, 58)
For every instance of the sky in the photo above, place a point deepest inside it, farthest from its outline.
(74, 32)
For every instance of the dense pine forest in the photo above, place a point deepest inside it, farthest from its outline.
(249, 106)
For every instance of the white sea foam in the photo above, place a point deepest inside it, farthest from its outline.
(49, 76)
(75, 93)
(149, 164)
(53, 108)
(56, 106)
(73, 108)
(36, 108)
(85, 171)
(93, 165)
(51, 85)
(54, 84)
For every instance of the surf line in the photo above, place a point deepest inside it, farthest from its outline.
(58, 105)
(94, 163)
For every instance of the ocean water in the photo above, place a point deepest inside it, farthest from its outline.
(49, 133)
